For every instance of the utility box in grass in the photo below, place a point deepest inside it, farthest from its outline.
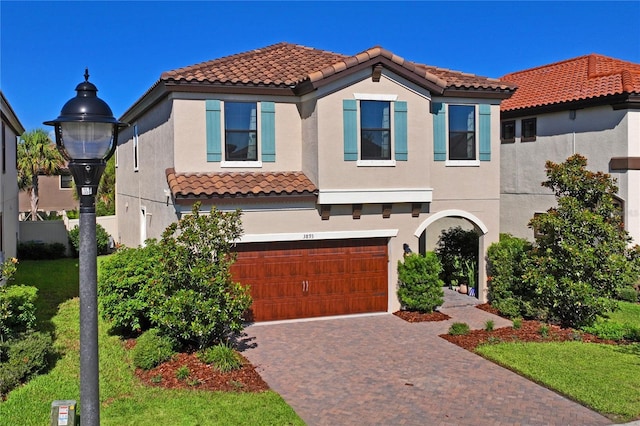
(63, 413)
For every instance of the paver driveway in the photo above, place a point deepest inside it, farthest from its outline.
(381, 370)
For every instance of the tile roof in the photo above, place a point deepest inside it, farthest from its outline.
(289, 65)
(581, 78)
(238, 184)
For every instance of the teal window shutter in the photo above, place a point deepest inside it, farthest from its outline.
(350, 118)
(214, 152)
(439, 131)
(400, 130)
(268, 131)
(485, 132)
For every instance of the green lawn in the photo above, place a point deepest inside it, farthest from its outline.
(629, 313)
(605, 378)
(124, 400)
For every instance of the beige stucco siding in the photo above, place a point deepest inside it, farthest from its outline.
(189, 116)
(598, 133)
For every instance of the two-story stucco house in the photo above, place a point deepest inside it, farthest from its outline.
(11, 130)
(588, 105)
(336, 161)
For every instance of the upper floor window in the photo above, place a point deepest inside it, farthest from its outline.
(66, 181)
(529, 130)
(508, 131)
(462, 132)
(375, 130)
(241, 131)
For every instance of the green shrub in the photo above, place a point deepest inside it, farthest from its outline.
(454, 247)
(23, 357)
(194, 300)
(505, 266)
(183, 372)
(459, 329)
(222, 356)
(517, 323)
(544, 330)
(614, 331)
(102, 240)
(628, 294)
(489, 325)
(123, 287)
(420, 288)
(508, 307)
(152, 349)
(34, 250)
(17, 310)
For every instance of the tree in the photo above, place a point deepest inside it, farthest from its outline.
(582, 255)
(36, 155)
(194, 299)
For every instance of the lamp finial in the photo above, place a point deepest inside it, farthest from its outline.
(86, 74)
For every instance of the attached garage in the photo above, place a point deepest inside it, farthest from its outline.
(303, 279)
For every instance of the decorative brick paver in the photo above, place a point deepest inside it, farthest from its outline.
(381, 370)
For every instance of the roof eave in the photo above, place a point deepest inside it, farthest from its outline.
(617, 102)
(478, 92)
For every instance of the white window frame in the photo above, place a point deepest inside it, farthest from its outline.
(464, 163)
(136, 149)
(223, 148)
(383, 98)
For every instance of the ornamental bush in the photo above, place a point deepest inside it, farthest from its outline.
(455, 247)
(23, 357)
(17, 310)
(420, 286)
(222, 356)
(194, 300)
(102, 240)
(124, 285)
(581, 257)
(152, 349)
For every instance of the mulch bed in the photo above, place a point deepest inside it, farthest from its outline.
(201, 376)
(529, 332)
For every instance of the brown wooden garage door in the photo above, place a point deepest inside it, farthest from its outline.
(314, 278)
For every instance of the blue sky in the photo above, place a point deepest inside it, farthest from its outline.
(45, 46)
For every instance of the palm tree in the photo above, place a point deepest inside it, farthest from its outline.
(37, 155)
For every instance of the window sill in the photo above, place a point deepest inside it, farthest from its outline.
(462, 163)
(529, 139)
(376, 163)
(240, 164)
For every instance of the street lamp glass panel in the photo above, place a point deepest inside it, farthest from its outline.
(86, 140)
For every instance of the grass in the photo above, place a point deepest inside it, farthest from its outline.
(602, 377)
(124, 400)
(629, 313)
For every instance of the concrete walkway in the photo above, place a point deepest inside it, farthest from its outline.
(381, 370)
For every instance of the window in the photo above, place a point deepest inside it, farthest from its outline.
(135, 148)
(508, 131)
(529, 130)
(240, 129)
(66, 181)
(462, 132)
(375, 130)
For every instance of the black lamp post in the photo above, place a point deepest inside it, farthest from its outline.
(87, 135)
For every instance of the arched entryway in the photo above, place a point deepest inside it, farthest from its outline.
(430, 230)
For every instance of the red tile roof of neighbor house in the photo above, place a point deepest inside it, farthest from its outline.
(586, 77)
(288, 65)
(238, 184)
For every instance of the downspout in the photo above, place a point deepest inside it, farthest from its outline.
(572, 117)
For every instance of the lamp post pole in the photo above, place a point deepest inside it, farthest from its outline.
(86, 135)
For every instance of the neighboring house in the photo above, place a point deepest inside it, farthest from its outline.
(55, 195)
(588, 105)
(336, 162)
(11, 131)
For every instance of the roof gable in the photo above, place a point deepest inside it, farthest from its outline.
(578, 79)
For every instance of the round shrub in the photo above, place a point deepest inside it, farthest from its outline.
(102, 240)
(420, 287)
(459, 329)
(222, 356)
(628, 294)
(152, 349)
(508, 307)
(23, 357)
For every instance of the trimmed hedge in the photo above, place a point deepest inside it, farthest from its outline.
(33, 250)
(22, 358)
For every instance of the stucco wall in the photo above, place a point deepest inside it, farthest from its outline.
(598, 133)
